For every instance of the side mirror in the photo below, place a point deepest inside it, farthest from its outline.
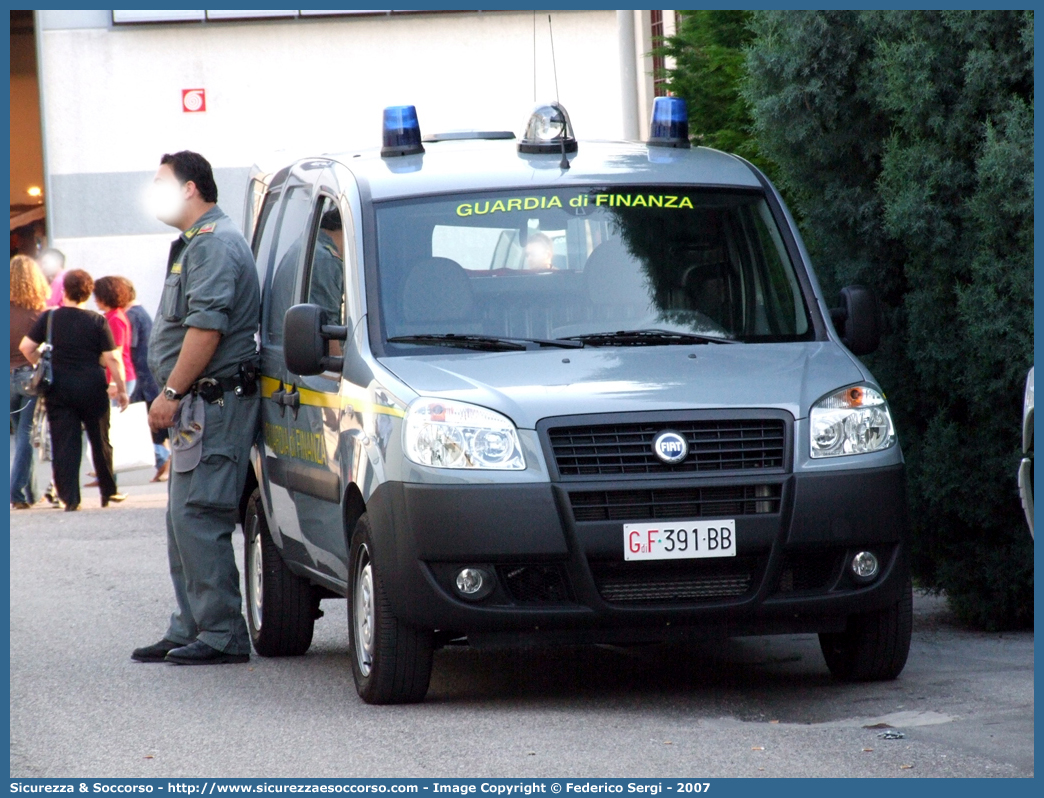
(858, 320)
(306, 337)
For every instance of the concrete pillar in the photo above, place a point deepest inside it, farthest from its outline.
(628, 74)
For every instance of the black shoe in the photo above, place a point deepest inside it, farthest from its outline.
(154, 653)
(199, 653)
(71, 508)
(116, 497)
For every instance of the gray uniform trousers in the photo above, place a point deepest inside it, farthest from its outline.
(202, 512)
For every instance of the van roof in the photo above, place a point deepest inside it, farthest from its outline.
(472, 165)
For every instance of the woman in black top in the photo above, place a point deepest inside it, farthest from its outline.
(82, 343)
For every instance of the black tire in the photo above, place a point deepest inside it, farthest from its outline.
(391, 660)
(874, 645)
(281, 606)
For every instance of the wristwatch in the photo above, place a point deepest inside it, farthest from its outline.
(171, 394)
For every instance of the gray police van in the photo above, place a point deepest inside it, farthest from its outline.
(528, 390)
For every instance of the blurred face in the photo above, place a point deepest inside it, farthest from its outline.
(50, 265)
(168, 199)
(538, 255)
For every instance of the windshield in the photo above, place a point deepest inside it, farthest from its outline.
(557, 264)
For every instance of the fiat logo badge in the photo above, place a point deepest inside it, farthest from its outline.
(670, 447)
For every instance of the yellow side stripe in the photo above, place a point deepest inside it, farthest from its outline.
(336, 401)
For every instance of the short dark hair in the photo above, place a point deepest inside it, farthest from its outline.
(331, 220)
(130, 289)
(78, 285)
(112, 291)
(188, 165)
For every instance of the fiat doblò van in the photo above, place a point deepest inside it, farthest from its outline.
(535, 390)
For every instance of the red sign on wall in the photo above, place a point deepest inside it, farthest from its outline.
(193, 101)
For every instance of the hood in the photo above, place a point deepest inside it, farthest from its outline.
(532, 385)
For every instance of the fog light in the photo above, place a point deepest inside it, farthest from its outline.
(474, 583)
(865, 565)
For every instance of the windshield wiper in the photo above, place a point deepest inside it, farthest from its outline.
(648, 338)
(488, 343)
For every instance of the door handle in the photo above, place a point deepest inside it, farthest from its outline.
(292, 399)
(278, 396)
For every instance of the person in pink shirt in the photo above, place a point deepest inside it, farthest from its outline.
(52, 262)
(112, 296)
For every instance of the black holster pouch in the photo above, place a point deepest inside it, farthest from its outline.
(248, 378)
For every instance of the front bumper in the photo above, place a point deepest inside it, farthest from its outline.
(560, 577)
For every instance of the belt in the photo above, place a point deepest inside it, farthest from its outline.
(224, 383)
(213, 389)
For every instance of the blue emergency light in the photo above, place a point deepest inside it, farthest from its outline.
(670, 123)
(402, 134)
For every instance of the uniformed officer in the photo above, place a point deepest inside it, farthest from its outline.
(326, 286)
(203, 351)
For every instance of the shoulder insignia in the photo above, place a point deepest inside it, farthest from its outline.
(329, 248)
(175, 269)
(207, 228)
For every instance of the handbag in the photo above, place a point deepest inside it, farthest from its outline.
(131, 438)
(43, 375)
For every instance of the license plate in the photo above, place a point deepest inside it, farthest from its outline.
(679, 540)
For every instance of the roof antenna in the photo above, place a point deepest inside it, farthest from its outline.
(564, 163)
(534, 57)
(554, 66)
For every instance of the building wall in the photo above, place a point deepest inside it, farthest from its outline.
(278, 89)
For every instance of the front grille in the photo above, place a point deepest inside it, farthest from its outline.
(675, 582)
(535, 584)
(689, 502)
(732, 445)
(809, 571)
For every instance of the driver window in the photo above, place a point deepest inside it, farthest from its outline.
(326, 271)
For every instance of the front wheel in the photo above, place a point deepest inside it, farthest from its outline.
(874, 645)
(281, 606)
(391, 660)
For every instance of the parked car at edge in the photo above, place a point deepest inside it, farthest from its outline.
(1026, 466)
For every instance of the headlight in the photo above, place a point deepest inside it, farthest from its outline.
(445, 434)
(854, 420)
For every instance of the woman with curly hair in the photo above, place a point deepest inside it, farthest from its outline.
(29, 292)
(82, 345)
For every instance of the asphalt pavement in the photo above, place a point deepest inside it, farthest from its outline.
(88, 587)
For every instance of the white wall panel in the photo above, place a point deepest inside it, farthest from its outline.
(113, 97)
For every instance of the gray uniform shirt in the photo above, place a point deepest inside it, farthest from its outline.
(326, 288)
(211, 284)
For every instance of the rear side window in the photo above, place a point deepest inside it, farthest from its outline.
(266, 229)
(291, 235)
